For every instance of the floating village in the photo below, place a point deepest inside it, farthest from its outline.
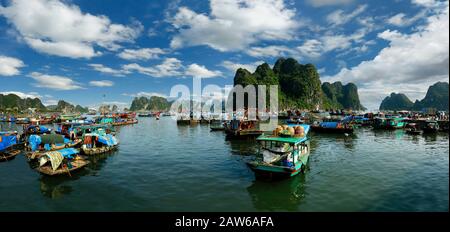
(283, 151)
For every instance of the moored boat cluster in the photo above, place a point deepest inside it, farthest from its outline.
(66, 148)
(283, 150)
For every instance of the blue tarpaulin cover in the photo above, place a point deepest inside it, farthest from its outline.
(68, 152)
(34, 141)
(108, 140)
(329, 124)
(7, 141)
(42, 129)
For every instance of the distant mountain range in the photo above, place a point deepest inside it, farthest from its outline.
(436, 97)
(154, 103)
(12, 102)
(300, 86)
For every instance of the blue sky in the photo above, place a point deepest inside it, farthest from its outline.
(88, 52)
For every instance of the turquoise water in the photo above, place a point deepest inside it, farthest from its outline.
(160, 166)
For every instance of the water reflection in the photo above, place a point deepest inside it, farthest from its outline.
(246, 147)
(283, 195)
(393, 134)
(98, 161)
(347, 140)
(58, 186)
(430, 137)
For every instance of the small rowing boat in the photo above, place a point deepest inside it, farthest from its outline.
(217, 126)
(431, 127)
(8, 154)
(8, 144)
(61, 162)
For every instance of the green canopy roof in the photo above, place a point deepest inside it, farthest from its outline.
(292, 140)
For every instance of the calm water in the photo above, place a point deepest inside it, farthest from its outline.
(164, 167)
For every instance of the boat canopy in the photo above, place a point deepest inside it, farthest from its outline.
(291, 140)
(56, 157)
(36, 140)
(107, 120)
(42, 129)
(329, 124)
(106, 139)
(95, 127)
(7, 140)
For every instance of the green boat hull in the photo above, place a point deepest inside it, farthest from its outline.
(275, 170)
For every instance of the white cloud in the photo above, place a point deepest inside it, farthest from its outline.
(269, 51)
(315, 48)
(103, 69)
(145, 94)
(426, 3)
(170, 67)
(311, 48)
(22, 94)
(102, 83)
(232, 66)
(234, 24)
(196, 70)
(410, 63)
(59, 28)
(54, 82)
(401, 19)
(141, 54)
(321, 3)
(10, 66)
(339, 17)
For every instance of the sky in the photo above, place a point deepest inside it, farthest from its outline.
(110, 51)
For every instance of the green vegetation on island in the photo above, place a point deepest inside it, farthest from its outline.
(396, 101)
(436, 98)
(300, 86)
(12, 102)
(154, 103)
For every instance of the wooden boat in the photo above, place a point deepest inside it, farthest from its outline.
(125, 122)
(431, 127)
(333, 127)
(283, 154)
(23, 121)
(41, 144)
(183, 121)
(36, 130)
(295, 120)
(245, 128)
(147, 115)
(412, 129)
(217, 126)
(45, 121)
(32, 155)
(8, 154)
(389, 123)
(97, 150)
(63, 170)
(8, 145)
(94, 143)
